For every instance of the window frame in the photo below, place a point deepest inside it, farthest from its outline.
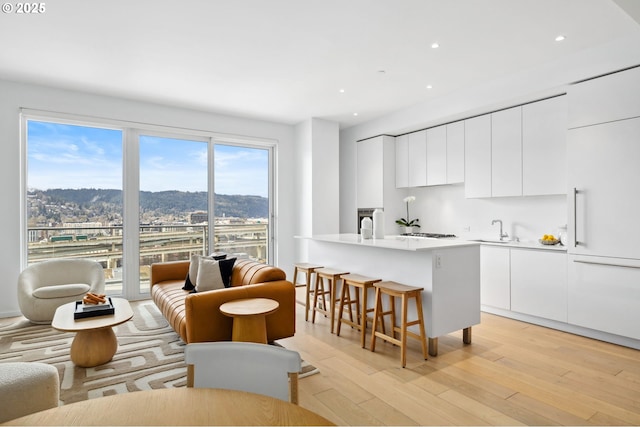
(131, 131)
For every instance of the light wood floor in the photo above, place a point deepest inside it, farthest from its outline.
(513, 373)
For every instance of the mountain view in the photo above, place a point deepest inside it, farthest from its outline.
(56, 206)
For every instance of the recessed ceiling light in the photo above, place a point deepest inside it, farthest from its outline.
(341, 91)
(435, 45)
(355, 114)
(560, 38)
(429, 87)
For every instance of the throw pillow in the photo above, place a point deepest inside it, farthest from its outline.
(226, 268)
(209, 277)
(192, 275)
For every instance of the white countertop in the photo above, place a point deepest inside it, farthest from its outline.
(423, 244)
(527, 245)
(393, 242)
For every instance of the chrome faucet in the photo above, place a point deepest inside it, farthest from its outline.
(502, 235)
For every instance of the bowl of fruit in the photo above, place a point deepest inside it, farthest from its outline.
(549, 239)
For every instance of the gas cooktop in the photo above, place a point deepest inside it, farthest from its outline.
(431, 235)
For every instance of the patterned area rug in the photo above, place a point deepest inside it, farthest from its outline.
(150, 355)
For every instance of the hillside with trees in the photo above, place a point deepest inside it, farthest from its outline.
(105, 206)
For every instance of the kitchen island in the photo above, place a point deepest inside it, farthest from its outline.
(447, 269)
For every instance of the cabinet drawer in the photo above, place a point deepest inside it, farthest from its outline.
(605, 295)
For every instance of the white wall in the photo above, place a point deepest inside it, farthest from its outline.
(444, 209)
(317, 179)
(14, 96)
(326, 177)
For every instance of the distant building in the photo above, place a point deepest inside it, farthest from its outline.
(198, 217)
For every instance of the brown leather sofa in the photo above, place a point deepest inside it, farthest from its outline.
(196, 317)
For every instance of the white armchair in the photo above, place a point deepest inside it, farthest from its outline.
(45, 286)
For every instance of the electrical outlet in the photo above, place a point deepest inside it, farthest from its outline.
(438, 261)
(466, 228)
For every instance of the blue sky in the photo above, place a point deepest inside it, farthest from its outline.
(68, 156)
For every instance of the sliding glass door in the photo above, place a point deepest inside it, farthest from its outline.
(173, 201)
(242, 201)
(127, 197)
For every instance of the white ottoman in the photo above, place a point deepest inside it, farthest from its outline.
(27, 387)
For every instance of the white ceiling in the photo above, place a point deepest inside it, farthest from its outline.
(286, 60)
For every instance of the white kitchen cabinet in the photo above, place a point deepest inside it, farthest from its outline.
(418, 159)
(605, 99)
(437, 155)
(402, 161)
(370, 161)
(455, 152)
(544, 147)
(604, 294)
(495, 281)
(477, 156)
(603, 167)
(539, 283)
(506, 152)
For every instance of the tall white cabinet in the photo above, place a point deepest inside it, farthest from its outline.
(603, 156)
(376, 177)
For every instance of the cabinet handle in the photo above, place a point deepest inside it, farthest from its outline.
(608, 264)
(575, 218)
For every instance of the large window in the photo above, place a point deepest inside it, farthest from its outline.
(241, 207)
(173, 201)
(128, 197)
(74, 195)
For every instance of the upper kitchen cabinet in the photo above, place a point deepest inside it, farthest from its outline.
(455, 152)
(418, 159)
(518, 151)
(544, 147)
(434, 156)
(605, 99)
(369, 176)
(402, 161)
(506, 152)
(477, 156)
(437, 155)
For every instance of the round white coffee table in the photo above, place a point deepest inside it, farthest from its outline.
(95, 342)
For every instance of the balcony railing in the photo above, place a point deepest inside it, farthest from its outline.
(158, 243)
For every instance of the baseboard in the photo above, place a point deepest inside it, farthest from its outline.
(566, 327)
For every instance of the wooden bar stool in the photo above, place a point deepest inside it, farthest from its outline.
(364, 284)
(308, 270)
(331, 276)
(393, 290)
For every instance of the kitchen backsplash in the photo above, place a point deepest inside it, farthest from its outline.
(444, 209)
